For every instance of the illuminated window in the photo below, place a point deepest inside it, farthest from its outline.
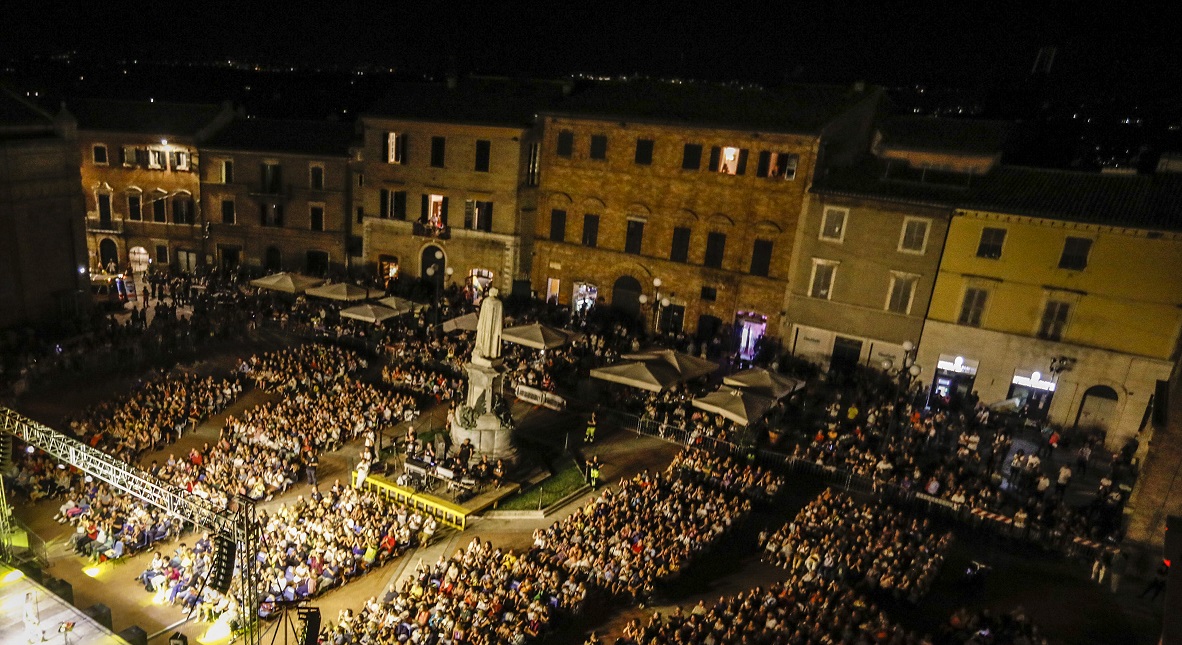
(833, 223)
(728, 160)
(777, 165)
(395, 145)
(156, 159)
(180, 160)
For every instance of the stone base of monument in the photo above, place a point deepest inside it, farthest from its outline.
(489, 437)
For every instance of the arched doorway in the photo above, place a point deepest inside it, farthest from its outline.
(1098, 408)
(433, 256)
(272, 259)
(139, 259)
(626, 295)
(108, 254)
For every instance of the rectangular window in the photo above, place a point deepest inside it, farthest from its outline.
(728, 160)
(566, 143)
(644, 152)
(973, 307)
(316, 217)
(833, 223)
(992, 240)
(229, 214)
(821, 282)
(227, 172)
(709, 294)
(634, 237)
(557, 225)
(158, 208)
(483, 152)
(777, 165)
(397, 205)
(434, 210)
(715, 249)
(316, 178)
(129, 156)
(914, 237)
(162, 254)
(1075, 253)
(104, 207)
(1054, 319)
(761, 257)
(533, 166)
(679, 252)
(360, 214)
(395, 147)
(182, 210)
(135, 210)
(272, 178)
(99, 154)
(180, 160)
(691, 156)
(591, 230)
(272, 214)
(599, 146)
(156, 159)
(902, 292)
(478, 215)
(438, 151)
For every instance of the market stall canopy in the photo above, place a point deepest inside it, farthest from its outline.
(467, 322)
(740, 406)
(369, 313)
(400, 305)
(286, 282)
(687, 367)
(765, 382)
(538, 336)
(652, 376)
(343, 291)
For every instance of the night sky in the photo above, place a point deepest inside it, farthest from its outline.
(945, 43)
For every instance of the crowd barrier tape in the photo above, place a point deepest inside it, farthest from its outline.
(450, 514)
(540, 397)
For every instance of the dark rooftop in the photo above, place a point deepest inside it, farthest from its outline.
(327, 138)
(1134, 201)
(158, 117)
(21, 119)
(479, 100)
(794, 108)
(933, 134)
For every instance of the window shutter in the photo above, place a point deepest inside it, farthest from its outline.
(401, 143)
(141, 157)
(487, 219)
(443, 212)
(715, 158)
(384, 207)
(400, 204)
(742, 165)
(426, 207)
(122, 155)
(469, 213)
(765, 163)
(385, 154)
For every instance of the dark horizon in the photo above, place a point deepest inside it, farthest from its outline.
(842, 41)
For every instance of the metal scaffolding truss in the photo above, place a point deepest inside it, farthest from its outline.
(237, 522)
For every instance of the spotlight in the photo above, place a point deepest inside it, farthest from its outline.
(30, 449)
(92, 571)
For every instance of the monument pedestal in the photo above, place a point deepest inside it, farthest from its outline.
(476, 419)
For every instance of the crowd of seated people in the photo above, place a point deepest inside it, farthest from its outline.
(872, 548)
(794, 611)
(984, 627)
(304, 368)
(110, 524)
(432, 367)
(724, 472)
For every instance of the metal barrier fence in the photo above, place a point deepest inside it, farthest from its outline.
(447, 513)
(1072, 546)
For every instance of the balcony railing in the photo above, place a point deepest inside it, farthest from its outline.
(264, 190)
(426, 230)
(97, 225)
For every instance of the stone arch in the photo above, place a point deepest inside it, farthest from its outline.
(638, 209)
(1099, 407)
(626, 292)
(560, 200)
(719, 220)
(594, 205)
(768, 227)
(108, 253)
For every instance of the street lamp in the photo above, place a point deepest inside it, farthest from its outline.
(905, 375)
(437, 272)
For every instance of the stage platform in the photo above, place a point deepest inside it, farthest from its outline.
(52, 613)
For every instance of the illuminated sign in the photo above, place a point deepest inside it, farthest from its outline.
(958, 364)
(1032, 380)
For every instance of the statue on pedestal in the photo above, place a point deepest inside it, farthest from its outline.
(477, 420)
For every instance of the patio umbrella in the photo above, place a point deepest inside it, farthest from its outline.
(369, 313)
(765, 382)
(400, 305)
(537, 336)
(467, 322)
(687, 367)
(343, 291)
(653, 376)
(740, 406)
(286, 282)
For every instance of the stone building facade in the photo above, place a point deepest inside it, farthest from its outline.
(686, 222)
(139, 166)
(276, 196)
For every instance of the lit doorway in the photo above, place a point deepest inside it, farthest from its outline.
(477, 284)
(585, 297)
(553, 285)
(186, 260)
(749, 327)
(109, 255)
(139, 259)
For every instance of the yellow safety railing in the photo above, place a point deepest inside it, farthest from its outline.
(452, 515)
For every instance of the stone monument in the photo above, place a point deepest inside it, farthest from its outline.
(477, 418)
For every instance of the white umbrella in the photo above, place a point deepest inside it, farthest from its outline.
(286, 282)
(467, 322)
(369, 313)
(343, 291)
(400, 305)
(537, 336)
(740, 406)
(687, 367)
(765, 382)
(653, 376)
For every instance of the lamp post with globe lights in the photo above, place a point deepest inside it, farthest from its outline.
(438, 274)
(903, 377)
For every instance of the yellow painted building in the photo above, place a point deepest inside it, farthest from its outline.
(1062, 291)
